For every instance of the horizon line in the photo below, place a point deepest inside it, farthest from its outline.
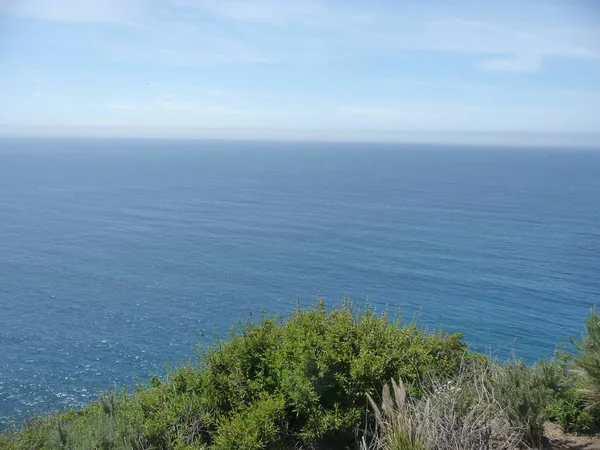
(440, 137)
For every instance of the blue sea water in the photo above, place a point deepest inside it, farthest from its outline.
(118, 257)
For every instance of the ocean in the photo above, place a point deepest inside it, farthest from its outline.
(119, 257)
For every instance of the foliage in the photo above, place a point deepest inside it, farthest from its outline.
(307, 382)
(276, 384)
(486, 405)
(526, 392)
(323, 364)
(587, 360)
(258, 426)
(576, 408)
(458, 414)
(397, 426)
(105, 424)
(570, 412)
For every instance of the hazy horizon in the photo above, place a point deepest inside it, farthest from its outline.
(512, 140)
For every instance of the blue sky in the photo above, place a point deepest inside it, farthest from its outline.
(359, 70)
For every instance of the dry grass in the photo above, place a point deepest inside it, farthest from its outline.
(460, 415)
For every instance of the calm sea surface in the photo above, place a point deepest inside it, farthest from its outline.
(118, 257)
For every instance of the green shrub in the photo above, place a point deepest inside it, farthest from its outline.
(304, 383)
(33, 435)
(587, 360)
(106, 424)
(577, 407)
(275, 384)
(256, 427)
(103, 425)
(570, 412)
(323, 364)
(526, 393)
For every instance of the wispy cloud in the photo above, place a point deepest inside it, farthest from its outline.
(200, 52)
(94, 11)
(521, 48)
(169, 104)
(442, 83)
(203, 90)
(33, 76)
(307, 63)
(279, 13)
(48, 95)
(372, 111)
(190, 39)
(130, 106)
(519, 63)
(272, 12)
(503, 48)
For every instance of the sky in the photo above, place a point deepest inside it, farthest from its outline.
(478, 71)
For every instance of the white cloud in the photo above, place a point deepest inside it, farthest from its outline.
(198, 89)
(96, 11)
(181, 32)
(443, 83)
(310, 13)
(41, 95)
(372, 111)
(33, 76)
(272, 12)
(504, 49)
(200, 52)
(519, 63)
(170, 104)
(129, 106)
(177, 105)
(465, 116)
(516, 48)
(350, 82)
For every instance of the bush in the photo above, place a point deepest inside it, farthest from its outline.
(104, 425)
(526, 392)
(487, 405)
(276, 384)
(33, 435)
(462, 413)
(323, 365)
(576, 408)
(587, 360)
(258, 426)
(569, 411)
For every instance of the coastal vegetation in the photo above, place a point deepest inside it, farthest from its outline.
(341, 378)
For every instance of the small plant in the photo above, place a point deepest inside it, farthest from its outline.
(571, 414)
(458, 414)
(525, 393)
(398, 424)
(62, 435)
(252, 428)
(587, 360)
